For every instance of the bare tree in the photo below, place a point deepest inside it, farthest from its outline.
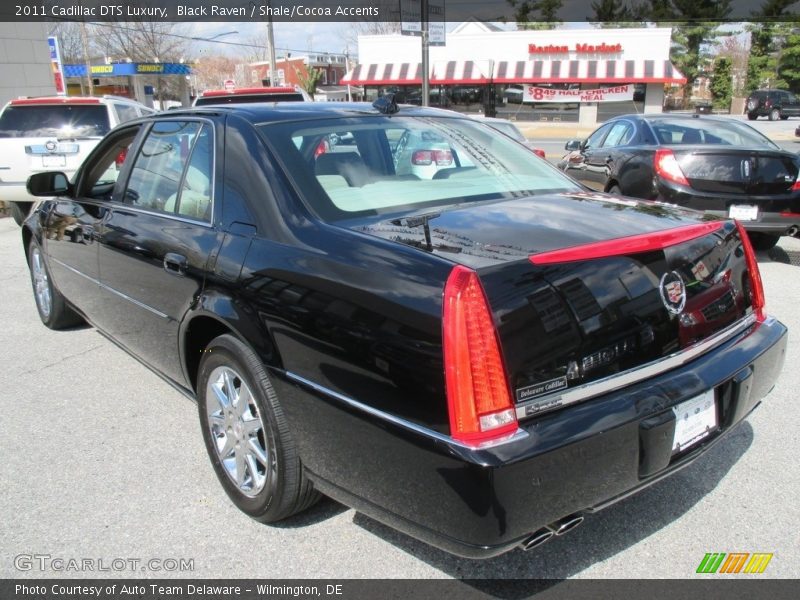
(210, 72)
(69, 40)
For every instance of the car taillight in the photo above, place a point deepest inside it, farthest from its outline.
(796, 186)
(321, 148)
(121, 157)
(666, 166)
(539, 152)
(427, 157)
(756, 286)
(478, 398)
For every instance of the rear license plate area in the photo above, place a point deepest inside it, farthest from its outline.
(743, 212)
(54, 160)
(695, 420)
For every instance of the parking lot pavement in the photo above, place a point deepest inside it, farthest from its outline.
(103, 460)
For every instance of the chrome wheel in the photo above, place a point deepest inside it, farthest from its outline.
(237, 431)
(41, 283)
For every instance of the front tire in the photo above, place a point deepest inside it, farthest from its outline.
(246, 434)
(774, 114)
(752, 116)
(53, 309)
(763, 241)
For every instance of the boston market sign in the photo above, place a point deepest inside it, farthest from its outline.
(578, 48)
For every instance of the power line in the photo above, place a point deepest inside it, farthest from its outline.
(201, 39)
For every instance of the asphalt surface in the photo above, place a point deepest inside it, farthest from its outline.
(102, 460)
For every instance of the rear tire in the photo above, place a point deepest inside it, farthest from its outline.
(774, 114)
(614, 189)
(53, 309)
(763, 241)
(247, 436)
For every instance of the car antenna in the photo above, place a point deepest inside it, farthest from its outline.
(386, 104)
(417, 221)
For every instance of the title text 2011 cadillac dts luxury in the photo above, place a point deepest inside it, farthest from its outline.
(407, 311)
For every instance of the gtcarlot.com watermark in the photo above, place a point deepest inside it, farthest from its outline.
(64, 564)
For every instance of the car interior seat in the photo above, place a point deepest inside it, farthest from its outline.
(349, 165)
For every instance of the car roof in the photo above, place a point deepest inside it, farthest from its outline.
(248, 91)
(45, 100)
(655, 117)
(263, 112)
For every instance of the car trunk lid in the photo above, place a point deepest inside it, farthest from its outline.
(719, 169)
(586, 287)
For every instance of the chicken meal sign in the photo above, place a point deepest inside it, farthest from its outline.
(617, 93)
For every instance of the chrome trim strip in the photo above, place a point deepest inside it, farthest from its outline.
(112, 290)
(516, 436)
(615, 382)
(122, 207)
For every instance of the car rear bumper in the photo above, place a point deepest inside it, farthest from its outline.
(481, 502)
(776, 214)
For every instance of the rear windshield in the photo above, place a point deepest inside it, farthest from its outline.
(60, 121)
(353, 167)
(704, 131)
(249, 98)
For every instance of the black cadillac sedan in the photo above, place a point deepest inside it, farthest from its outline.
(455, 339)
(717, 165)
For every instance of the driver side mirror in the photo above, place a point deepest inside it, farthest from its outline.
(573, 145)
(49, 183)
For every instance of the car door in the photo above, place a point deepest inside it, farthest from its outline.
(598, 157)
(157, 238)
(576, 164)
(612, 154)
(71, 224)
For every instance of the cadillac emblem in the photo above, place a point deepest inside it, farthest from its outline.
(673, 292)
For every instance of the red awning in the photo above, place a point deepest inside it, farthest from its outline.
(525, 71)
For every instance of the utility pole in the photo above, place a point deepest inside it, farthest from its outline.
(85, 44)
(273, 68)
(426, 84)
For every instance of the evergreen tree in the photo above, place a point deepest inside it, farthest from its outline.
(722, 83)
(695, 27)
(789, 62)
(618, 13)
(536, 14)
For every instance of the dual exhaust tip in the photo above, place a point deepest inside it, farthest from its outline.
(559, 527)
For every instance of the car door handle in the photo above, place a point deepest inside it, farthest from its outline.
(175, 263)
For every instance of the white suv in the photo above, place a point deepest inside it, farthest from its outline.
(53, 133)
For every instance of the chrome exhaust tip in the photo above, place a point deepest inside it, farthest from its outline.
(566, 524)
(537, 539)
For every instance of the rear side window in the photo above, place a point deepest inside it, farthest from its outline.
(167, 176)
(125, 112)
(619, 135)
(58, 120)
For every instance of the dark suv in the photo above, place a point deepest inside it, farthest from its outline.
(775, 104)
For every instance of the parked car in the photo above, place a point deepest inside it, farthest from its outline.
(714, 164)
(479, 359)
(775, 104)
(511, 130)
(252, 94)
(53, 132)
